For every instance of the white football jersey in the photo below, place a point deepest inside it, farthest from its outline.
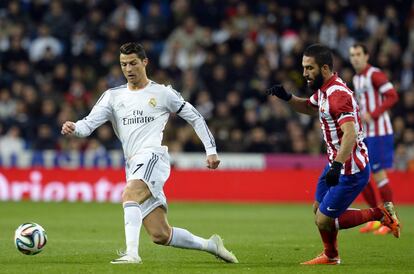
(139, 117)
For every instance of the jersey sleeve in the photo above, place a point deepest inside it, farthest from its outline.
(380, 82)
(175, 103)
(389, 99)
(99, 114)
(386, 89)
(196, 120)
(313, 100)
(341, 107)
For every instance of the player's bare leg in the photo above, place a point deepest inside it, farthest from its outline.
(157, 226)
(135, 192)
(162, 233)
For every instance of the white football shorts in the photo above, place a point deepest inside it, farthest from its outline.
(152, 167)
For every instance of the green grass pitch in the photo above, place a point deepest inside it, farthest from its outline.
(267, 238)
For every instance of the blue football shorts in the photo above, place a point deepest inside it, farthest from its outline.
(333, 201)
(380, 151)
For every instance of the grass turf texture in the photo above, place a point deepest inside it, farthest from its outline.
(266, 238)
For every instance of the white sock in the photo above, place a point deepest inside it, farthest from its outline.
(183, 238)
(133, 222)
(383, 182)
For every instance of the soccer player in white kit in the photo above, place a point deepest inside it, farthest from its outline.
(139, 111)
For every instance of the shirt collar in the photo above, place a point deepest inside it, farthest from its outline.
(328, 83)
(364, 71)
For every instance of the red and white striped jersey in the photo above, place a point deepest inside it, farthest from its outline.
(337, 105)
(370, 87)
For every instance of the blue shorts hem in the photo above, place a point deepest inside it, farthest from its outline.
(380, 152)
(333, 214)
(333, 201)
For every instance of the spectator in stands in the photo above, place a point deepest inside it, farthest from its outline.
(59, 21)
(45, 138)
(127, 17)
(11, 143)
(44, 42)
(7, 105)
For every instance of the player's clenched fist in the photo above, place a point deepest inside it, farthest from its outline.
(279, 91)
(68, 128)
(212, 161)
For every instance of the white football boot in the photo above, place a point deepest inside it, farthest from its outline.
(126, 259)
(221, 252)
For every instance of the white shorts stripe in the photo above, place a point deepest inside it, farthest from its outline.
(150, 167)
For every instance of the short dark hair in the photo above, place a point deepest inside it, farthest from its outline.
(133, 47)
(362, 46)
(321, 53)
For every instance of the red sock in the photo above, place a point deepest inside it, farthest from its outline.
(329, 239)
(355, 217)
(385, 191)
(369, 195)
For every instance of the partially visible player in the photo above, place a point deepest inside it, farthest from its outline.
(139, 111)
(348, 171)
(376, 95)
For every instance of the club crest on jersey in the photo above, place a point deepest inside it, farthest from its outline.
(119, 106)
(323, 106)
(152, 102)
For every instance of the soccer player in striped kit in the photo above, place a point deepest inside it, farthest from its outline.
(376, 95)
(139, 111)
(348, 171)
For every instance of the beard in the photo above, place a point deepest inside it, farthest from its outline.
(317, 82)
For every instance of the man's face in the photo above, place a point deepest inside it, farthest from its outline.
(358, 58)
(312, 73)
(132, 67)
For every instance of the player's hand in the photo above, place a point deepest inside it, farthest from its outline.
(212, 161)
(332, 176)
(68, 128)
(279, 91)
(366, 117)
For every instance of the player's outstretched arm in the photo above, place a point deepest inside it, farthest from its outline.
(68, 128)
(194, 118)
(212, 161)
(298, 104)
(176, 103)
(100, 113)
(302, 105)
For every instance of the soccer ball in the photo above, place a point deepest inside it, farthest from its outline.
(30, 238)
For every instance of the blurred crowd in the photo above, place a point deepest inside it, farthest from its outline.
(57, 57)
